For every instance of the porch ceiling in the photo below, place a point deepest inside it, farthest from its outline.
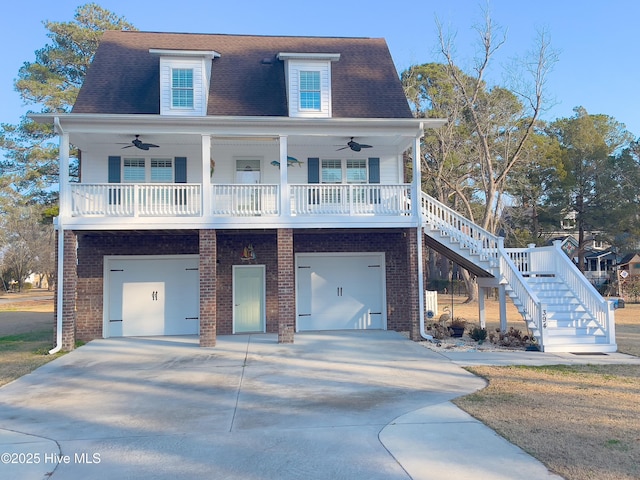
(323, 144)
(86, 130)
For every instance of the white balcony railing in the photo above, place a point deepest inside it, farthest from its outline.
(358, 199)
(234, 200)
(136, 200)
(245, 200)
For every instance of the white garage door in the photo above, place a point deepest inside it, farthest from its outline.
(156, 295)
(340, 291)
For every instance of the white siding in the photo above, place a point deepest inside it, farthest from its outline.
(294, 67)
(94, 162)
(200, 86)
(389, 170)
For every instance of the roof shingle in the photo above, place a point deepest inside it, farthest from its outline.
(124, 76)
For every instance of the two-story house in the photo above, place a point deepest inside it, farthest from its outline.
(232, 184)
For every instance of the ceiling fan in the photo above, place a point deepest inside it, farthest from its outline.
(355, 146)
(136, 142)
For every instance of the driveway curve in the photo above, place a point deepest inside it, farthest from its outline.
(250, 408)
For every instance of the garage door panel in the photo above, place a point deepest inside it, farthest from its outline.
(152, 296)
(340, 292)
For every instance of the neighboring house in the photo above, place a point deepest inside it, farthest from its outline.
(599, 265)
(630, 263)
(233, 184)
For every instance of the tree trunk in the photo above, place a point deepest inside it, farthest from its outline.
(471, 284)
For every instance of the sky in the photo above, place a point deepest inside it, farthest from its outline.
(597, 42)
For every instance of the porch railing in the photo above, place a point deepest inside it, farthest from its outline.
(136, 200)
(236, 200)
(245, 200)
(351, 199)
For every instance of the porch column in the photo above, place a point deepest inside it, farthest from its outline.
(286, 286)
(502, 295)
(416, 184)
(68, 263)
(285, 202)
(65, 186)
(206, 175)
(208, 283)
(413, 287)
(482, 292)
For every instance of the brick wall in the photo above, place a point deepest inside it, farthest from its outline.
(230, 247)
(286, 286)
(393, 243)
(271, 249)
(413, 291)
(208, 283)
(69, 286)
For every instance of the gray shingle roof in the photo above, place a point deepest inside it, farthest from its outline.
(124, 76)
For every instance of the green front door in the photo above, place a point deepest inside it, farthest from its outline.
(248, 298)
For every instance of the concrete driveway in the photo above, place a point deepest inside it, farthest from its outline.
(348, 405)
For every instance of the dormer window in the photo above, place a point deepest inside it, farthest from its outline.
(310, 93)
(185, 77)
(308, 77)
(182, 88)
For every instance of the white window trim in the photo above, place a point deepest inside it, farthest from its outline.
(147, 168)
(319, 91)
(192, 88)
(343, 165)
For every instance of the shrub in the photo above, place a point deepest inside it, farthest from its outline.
(478, 334)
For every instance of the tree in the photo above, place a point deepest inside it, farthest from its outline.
(27, 243)
(502, 119)
(597, 173)
(469, 162)
(528, 216)
(51, 82)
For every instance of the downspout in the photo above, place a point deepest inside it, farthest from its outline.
(60, 276)
(423, 332)
(417, 188)
(59, 282)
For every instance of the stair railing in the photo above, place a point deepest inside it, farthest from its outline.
(460, 229)
(599, 308)
(531, 308)
(488, 247)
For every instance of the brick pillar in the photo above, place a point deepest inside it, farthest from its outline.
(69, 290)
(207, 268)
(286, 287)
(412, 280)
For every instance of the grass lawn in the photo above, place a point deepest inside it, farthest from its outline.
(25, 339)
(22, 353)
(580, 421)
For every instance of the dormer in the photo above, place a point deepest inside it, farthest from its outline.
(308, 79)
(185, 77)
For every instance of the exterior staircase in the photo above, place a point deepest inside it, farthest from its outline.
(561, 308)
